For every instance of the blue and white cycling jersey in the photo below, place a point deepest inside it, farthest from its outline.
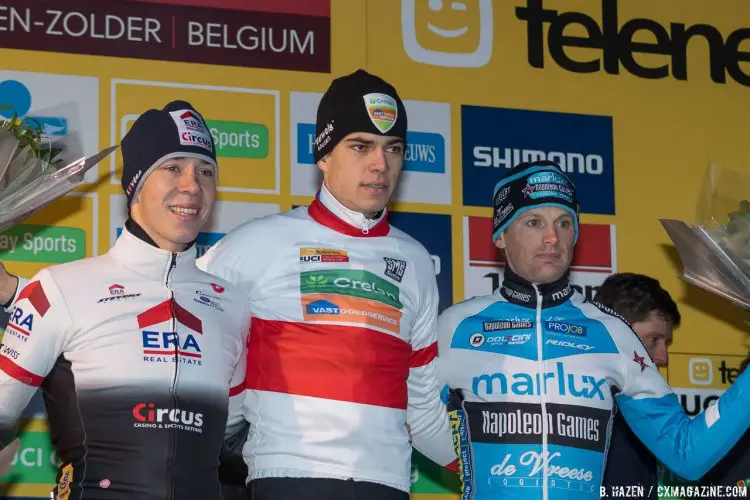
(532, 375)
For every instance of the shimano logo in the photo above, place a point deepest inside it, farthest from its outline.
(565, 328)
(570, 162)
(525, 384)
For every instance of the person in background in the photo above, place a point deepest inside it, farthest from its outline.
(653, 315)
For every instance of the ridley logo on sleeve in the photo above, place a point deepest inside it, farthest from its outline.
(382, 110)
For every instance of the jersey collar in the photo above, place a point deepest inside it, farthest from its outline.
(328, 211)
(518, 290)
(135, 250)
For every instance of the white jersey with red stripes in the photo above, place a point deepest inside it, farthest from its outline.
(137, 352)
(341, 363)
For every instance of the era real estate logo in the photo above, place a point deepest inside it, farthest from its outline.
(243, 122)
(226, 216)
(434, 232)
(496, 139)
(275, 35)
(595, 258)
(72, 110)
(449, 34)
(426, 176)
(617, 48)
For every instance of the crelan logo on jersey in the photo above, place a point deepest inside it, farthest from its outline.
(524, 384)
(352, 282)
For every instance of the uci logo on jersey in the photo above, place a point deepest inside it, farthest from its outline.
(565, 328)
(526, 384)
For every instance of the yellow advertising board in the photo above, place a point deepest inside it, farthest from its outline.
(633, 98)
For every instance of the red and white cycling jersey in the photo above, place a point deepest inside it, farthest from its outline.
(137, 351)
(342, 345)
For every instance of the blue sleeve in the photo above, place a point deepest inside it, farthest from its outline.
(689, 447)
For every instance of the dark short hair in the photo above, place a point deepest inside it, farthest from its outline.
(636, 296)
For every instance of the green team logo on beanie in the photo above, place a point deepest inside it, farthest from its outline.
(382, 110)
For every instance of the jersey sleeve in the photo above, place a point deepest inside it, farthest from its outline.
(235, 416)
(35, 337)
(689, 447)
(238, 256)
(427, 416)
(21, 284)
(232, 468)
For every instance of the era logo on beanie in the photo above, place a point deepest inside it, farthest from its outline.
(191, 129)
(382, 110)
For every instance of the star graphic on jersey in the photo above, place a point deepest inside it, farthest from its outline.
(641, 360)
(528, 190)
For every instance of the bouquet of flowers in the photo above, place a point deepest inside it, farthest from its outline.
(715, 250)
(36, 168)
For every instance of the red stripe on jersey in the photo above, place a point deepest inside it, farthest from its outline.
(19, 373)
(323, 216)
(157, 314)
(453, 466)
(233, 391)
(35, 293)
(424, 356)
(165, 311)
(342, 363)
(19, 329)
(187, 318)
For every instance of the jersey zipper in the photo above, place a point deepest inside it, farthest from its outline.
(175, 373)
(543, 391)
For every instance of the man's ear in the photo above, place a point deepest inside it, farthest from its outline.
(323, 164)
(500, 241)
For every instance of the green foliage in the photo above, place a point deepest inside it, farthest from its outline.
(29, 133)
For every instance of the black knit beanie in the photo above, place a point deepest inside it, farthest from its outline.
(177, 130)
(358, 102)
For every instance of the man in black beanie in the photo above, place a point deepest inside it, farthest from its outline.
(360, 138)
(140, 355)
(341, 379)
